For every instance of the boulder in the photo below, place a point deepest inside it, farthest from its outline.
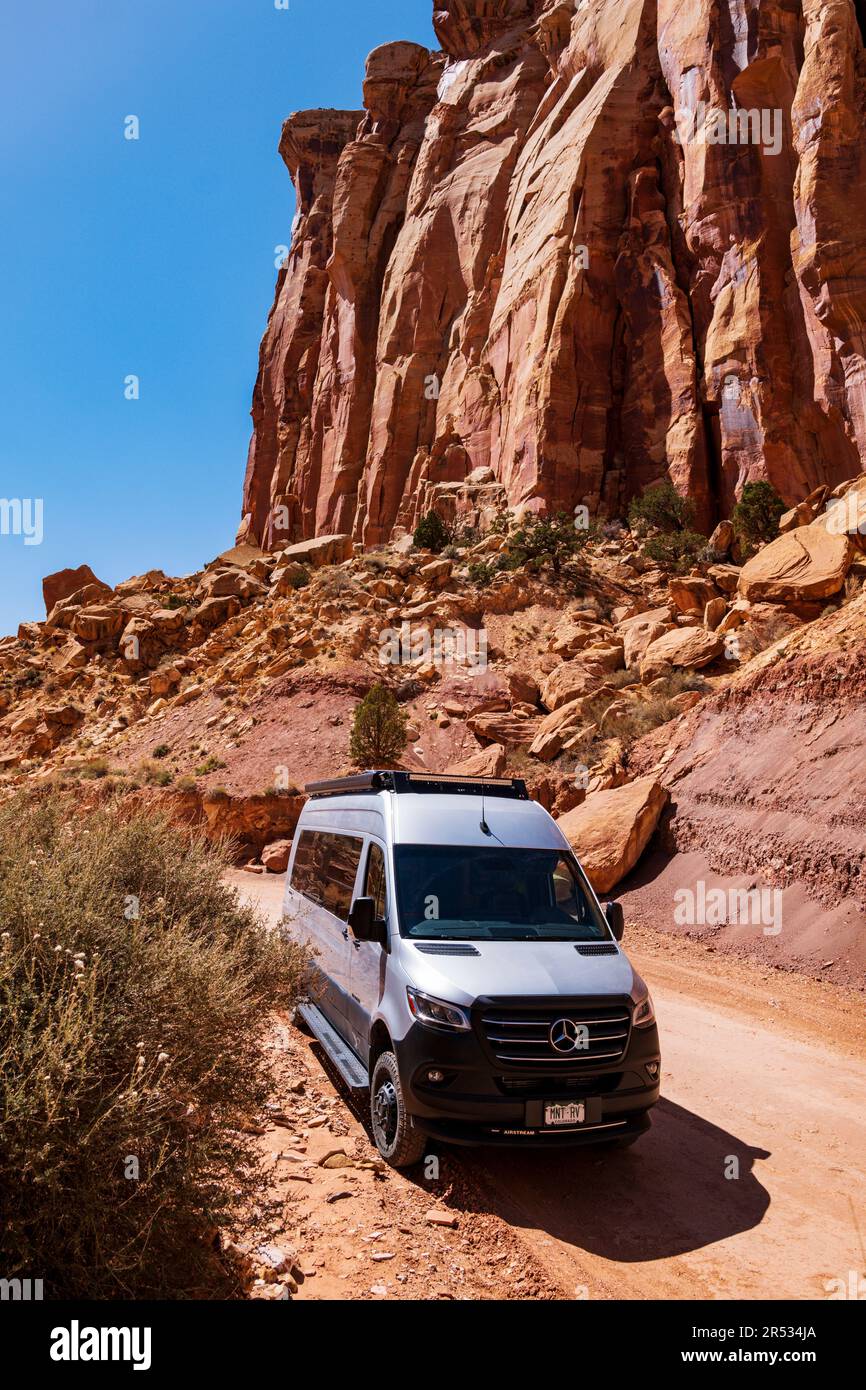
(230, 582)
(275, 857)
(98, 623)
(610, 830)
(568, 682)
(216, 610)
(725, 577)
(714, 612)
(801, 515)
(523, 689)
(809, 563)
(436, 573)
(722, 539)
(287, 578)
(322, 550)
(63, 583)
(63, 612)
(638, 632)
(487, 762)
(691, 594)
(508, 729)
(554, 730)
(688, 648)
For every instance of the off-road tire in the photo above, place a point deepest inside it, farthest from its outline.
(397, 1142)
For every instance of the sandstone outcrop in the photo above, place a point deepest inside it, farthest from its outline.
(531, 272)
(65, 583)
(808, 563)
(688, 648)
(610, 830)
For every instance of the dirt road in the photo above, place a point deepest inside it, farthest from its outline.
(751, 1181)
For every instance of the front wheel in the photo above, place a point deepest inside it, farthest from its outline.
(397, 1142)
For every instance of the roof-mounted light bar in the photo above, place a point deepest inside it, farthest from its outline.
(421, 782)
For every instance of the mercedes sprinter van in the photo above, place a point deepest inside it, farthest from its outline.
(464, 972)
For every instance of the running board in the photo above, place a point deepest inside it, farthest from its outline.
(338, 1051)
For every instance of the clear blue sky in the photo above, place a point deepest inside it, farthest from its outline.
(152, 257)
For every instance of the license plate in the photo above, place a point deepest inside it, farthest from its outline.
(573, 1114)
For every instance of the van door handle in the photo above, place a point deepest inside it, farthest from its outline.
(345, 933)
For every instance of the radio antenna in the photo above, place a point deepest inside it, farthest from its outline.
(485, 828)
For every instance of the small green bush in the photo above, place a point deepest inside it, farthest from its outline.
(756, 515)
(661, 508)
(431, 533)
(481, 573)
(133, 990)
(679, 550)
(210, 764)
(162, 750)
(378, 729)
(549, 540)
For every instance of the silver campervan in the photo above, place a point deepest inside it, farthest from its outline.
(465, 973)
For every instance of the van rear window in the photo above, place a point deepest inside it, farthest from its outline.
(325, 868)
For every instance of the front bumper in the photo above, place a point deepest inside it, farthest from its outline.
(481, 1102)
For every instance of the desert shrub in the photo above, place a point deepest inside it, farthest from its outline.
(756, 515)
(678, 549)
(378, 729)
(154, 776)
(210, 764)
(640, 718)
(661, 508)
(462, 536)
(94, 769)
(431, 533)
(186, 784)
(173, 601)
(549, 540)
(133, 988)
(481, 573)
(333, 583)
(298, 579)
(162, 750)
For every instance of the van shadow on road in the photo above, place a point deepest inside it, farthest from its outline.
(665, 1196)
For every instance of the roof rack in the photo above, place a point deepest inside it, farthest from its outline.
(424, 782)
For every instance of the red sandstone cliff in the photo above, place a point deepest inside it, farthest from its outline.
(527, 256)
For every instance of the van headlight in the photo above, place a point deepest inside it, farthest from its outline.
(435, 1013)
(644, 1012)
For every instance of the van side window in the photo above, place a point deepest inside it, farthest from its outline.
(375, 883)
(325, 869)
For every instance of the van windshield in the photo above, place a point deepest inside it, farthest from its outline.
(475, 893)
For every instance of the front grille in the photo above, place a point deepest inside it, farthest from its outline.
(521, 1038)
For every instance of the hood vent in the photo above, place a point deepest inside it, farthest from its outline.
(597, 948)
(446, 948)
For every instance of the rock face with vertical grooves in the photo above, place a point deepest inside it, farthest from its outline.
(588, 245)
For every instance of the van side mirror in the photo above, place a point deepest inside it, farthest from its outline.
(615, 919)
(363, 922)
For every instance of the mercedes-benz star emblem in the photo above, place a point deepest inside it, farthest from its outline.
(564, 1035)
